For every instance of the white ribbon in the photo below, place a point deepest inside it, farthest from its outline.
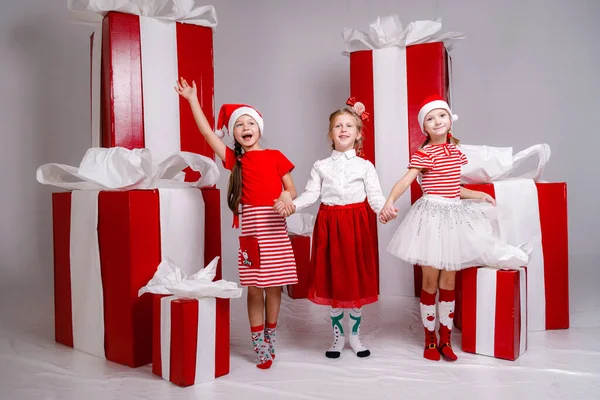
(520, 196)
(388, 32)
(165, 336)
(390, 97)
(87, 299)
(117, 168)
(485, 317)
(488, 164)
(92, 11)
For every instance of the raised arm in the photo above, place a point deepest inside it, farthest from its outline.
(190, 93)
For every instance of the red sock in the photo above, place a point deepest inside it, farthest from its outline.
(446, 313)
(428, 318)
(263, 357)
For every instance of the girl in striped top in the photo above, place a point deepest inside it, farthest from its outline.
(442, 233)
(259, 177)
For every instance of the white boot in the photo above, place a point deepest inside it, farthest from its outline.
(354, 323)
(339, 340)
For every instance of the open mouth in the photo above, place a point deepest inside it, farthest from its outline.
(343, 137)
(246, 136)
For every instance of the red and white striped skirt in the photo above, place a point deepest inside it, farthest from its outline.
(277, 262)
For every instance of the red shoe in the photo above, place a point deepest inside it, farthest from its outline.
(446, 350)
(445, 347)
(431, 350)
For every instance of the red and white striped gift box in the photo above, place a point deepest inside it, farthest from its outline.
(108, 245)
(392, 83)
(191, 339)
(494, 317)
(537, 213)
(132, 91)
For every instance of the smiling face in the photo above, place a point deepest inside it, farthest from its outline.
(437, 123)
(344, 130)
(246, 132)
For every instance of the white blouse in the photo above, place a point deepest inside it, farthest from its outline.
(343, 178)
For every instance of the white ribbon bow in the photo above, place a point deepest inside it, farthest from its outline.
(118, 168)
(170, 279)
(489, 164)
(387, 32)
(92, 11)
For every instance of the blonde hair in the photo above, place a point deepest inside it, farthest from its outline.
(359, 126)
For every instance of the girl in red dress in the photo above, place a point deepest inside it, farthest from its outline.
(258, 178)
(343, 272)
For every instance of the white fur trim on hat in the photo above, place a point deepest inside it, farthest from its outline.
(243, 111)
(434, 105)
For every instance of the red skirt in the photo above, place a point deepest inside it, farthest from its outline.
(343, 272)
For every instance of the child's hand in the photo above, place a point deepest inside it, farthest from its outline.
(387, 213)
(186, 91)
(489, 199)
(284, 205)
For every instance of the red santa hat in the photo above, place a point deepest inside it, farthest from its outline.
(433, 103)
(229, 113)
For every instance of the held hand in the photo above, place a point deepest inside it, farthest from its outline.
(489, 199)
(388, 213)
(185, 90)
(382, 219)
(284, 205)
(283, 210)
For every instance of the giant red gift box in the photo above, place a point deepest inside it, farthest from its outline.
(129, 249)
(142, 57)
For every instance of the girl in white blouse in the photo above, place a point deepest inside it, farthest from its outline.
(343, 272)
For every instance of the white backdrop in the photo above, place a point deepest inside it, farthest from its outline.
(526, 74)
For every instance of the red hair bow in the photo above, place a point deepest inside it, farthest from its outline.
(358, 108)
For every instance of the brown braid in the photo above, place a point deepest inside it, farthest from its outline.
(234, 191)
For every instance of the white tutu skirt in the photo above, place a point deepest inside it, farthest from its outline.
(453, 234)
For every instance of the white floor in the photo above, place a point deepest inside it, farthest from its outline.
(558, 364)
